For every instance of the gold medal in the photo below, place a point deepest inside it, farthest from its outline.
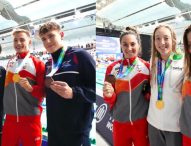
(160, 104)
(16, 78)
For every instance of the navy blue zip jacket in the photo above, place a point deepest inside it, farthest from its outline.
(2, 83)
(67, 116)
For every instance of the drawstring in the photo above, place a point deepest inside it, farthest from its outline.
(16, 102)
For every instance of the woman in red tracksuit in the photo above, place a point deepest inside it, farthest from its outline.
(185, 116)
(124, 90)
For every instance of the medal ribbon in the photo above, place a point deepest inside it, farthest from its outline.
(160, 76)
(128, 70)
(56, 66)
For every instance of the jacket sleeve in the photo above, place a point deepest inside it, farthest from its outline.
(38, 88)
(2, 82)
(111, 101)
(147, 87)
(85, 92)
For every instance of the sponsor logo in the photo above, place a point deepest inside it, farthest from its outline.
(100, 113)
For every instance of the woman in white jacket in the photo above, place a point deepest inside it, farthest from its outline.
(166, 81)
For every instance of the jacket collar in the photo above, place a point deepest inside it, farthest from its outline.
(22, 55)
(128, 61)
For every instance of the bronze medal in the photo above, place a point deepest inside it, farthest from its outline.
(111, 79)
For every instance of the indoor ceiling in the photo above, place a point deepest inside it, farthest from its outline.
(74, 16)
(28, 13)
(145, 15)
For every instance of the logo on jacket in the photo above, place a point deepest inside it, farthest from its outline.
(177, 68)
(25, 66)
(10, 64)
(100, 113)
(138, 68)
(66, 63)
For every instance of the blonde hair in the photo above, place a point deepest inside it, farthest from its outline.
(19, 30)
(155, 53)
(187, 59)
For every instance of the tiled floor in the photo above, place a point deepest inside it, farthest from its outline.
(100, 141)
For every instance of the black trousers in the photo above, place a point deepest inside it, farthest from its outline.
(69, 140)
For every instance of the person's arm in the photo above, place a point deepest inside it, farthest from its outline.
(147, 87)
(112, 99)
(87, 90)
(38, 88)
(147, 90)
(2, 83)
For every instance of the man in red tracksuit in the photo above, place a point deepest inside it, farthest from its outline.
(23, 95)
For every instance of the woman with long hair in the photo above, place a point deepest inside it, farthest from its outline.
(166, 82)
(185, 118)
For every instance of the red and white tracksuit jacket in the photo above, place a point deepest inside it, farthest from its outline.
(185, 116)
(128, 104)
(23, 109)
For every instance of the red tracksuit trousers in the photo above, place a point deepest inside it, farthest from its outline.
(126, 134)
(27, 133)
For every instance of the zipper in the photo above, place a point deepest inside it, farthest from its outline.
(16, 103)
(130, 105)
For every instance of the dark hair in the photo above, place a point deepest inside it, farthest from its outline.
(49, 26)
(187, 58)
(133, 31)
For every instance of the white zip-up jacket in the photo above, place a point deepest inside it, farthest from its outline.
(167, 118)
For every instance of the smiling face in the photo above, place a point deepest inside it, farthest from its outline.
(52, 40)
(129, 45)
(21, 42)
(163, 42)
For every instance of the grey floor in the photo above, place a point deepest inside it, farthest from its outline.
(100, 141)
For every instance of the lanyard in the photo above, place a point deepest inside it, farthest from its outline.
(56, 66)
(160, 76)
(128, 70)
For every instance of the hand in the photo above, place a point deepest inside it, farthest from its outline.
(108, 90)
(23, 82)
(62, 89)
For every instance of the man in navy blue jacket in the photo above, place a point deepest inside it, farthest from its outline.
(70, 90)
